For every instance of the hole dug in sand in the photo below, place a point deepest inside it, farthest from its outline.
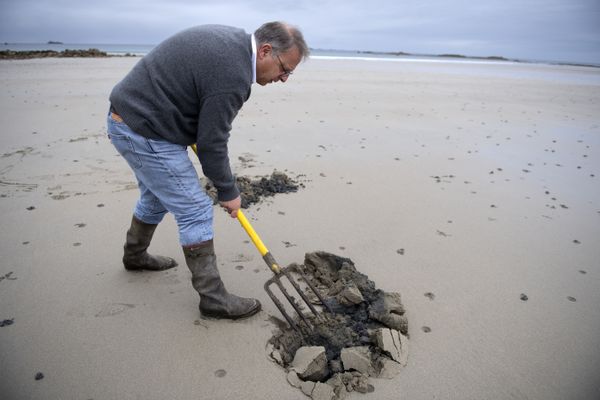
(365, 337)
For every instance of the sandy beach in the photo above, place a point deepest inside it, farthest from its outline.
(473, 189)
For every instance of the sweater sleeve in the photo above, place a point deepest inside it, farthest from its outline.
(214, 124)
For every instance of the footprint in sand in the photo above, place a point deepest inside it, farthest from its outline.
(242, 258)
(220, 373)
(426, 329)
(200, 323)
(429, 295)
(168, 279)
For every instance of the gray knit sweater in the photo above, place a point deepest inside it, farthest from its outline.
(188, 90)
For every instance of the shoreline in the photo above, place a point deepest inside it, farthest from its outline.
(127, 50)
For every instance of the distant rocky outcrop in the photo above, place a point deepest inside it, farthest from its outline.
(389, 53)
(496, 58)
(21, 55)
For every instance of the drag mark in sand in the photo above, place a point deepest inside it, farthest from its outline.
(21, 152)
(27, 187)
(8, 276)
(112, 309)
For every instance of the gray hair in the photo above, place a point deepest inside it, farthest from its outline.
(282, 37)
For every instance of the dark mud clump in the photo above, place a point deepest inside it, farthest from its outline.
(7, 322)
(253, 190)
(524, 297)
(364, 337)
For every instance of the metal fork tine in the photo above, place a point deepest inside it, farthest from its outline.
(278, 271)
(290, 300)
(314, 290)
(300, 292)
(280, 307)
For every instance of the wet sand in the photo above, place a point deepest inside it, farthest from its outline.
(471, 189)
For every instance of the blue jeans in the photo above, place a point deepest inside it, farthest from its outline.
(168, 182)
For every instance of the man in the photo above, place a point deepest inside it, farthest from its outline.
(188, 90)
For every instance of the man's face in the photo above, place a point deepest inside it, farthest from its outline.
(275, 68)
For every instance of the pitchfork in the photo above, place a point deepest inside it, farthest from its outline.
(276, 279)
(279, 273)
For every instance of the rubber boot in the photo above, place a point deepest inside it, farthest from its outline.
(215, 301)
(138, 239)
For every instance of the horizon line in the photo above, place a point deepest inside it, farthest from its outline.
(380, 52)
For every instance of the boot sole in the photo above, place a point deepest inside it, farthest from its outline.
(130, 267)
(216, 315)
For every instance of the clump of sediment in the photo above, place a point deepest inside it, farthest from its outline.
(364, 337)
(253, 190)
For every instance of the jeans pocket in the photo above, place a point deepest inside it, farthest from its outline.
(124, 146)
(165, 147)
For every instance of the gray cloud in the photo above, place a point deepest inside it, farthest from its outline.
(561, 30)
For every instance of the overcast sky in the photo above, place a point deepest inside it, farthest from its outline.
(553, 30)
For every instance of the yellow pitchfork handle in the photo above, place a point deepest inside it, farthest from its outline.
(260, 246)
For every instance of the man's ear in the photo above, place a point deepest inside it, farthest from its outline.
(264, 50)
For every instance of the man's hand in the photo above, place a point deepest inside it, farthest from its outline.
(232, 206)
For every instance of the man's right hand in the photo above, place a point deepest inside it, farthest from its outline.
(232, 206)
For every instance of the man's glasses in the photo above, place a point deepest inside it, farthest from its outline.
(285, 71)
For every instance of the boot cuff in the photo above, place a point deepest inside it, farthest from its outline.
(199, 249)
